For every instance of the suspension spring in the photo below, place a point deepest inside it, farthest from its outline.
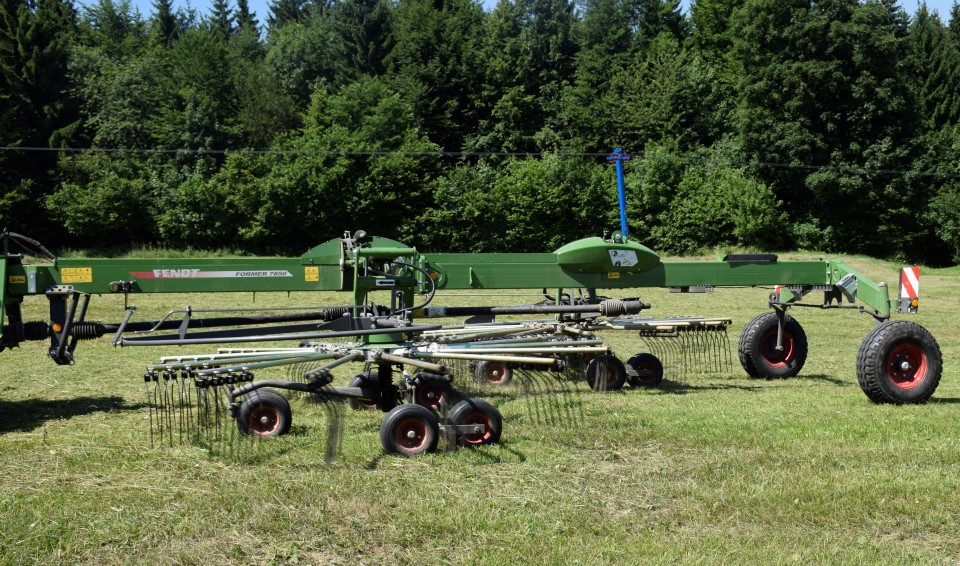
(336, 313)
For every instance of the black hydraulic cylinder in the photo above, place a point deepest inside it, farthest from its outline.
(610, 307)
(220, 321)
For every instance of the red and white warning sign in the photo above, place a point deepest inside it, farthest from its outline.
(910, 283)
(909, 289)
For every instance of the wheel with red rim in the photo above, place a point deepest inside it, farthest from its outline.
(758, 350)
(493, 373)
(432, 393)
(477, 412)
(899, 362)
(409, 430)
(264, 412)
(606, 373)
(648, 369)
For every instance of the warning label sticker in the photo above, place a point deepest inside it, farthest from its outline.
(76, 275)
(191, 273)
(623, 258)
(311, 273)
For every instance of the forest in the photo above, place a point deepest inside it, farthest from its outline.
(827, 125)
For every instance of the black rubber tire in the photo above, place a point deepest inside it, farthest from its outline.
(899, 362)
(432, 393)
(264, 412)
(649, 368)
(757, 344)
(369, 379)
(743, 353)
(606, 373)
(409, 430)
(493, 373)
(477, 411)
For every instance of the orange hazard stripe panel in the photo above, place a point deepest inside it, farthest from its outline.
(910, 283)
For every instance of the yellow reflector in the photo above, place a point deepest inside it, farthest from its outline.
(57, 328)
(914, 303)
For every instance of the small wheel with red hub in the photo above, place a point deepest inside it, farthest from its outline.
(899, 362)
(493, 373)
(648, 370)
(432, 393)
(264, 412)
(478, 412)
(409, 430)
(758, 352)
(606, 373)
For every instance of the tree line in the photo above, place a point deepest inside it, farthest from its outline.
(829, 125)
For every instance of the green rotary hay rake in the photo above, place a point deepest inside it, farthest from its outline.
(408, 366)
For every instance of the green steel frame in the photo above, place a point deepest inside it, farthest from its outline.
(383, 264)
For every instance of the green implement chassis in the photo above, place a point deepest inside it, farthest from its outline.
(899, 362)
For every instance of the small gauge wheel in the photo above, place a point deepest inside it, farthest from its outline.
(264, 412)
(409, 430)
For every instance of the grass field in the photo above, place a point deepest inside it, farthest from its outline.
(709, 468)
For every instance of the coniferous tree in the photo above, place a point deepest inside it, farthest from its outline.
(935, 68)
(364, 29)
(435, 64)
(164, 22)
(605, 48)
(822, 85)
(36, 111)
(245, 19)
(529, 56)
(283, 12)
(115, 27)
(954, 24)
(221, 19)
(654, 17)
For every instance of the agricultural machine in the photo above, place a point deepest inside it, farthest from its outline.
(409, 365)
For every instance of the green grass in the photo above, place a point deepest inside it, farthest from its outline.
(709, 468)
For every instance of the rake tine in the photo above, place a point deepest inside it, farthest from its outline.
(177, 405)
(676, 351)
(335, 416)
(167, 420)
(704, 349)
(185, 386)
(146, 387)
(532, 394)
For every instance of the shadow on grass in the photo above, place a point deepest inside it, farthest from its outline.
(495, 454)
(26, 415)
(943, 400)
(681, 388)
(826, 379)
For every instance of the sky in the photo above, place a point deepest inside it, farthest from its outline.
(260, 7)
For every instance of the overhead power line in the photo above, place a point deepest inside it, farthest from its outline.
(478, 154)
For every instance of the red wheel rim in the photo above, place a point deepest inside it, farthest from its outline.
(478, 418)
(774, 357)
(411, 434)
(495, 373)
(430, 395)
(906, 365)
(264, 420)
